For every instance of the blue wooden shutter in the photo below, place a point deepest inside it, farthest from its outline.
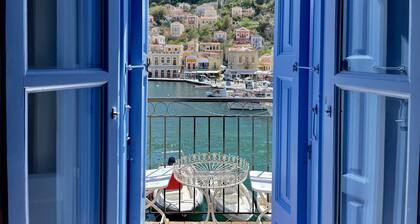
(137, 99)
(290, 112)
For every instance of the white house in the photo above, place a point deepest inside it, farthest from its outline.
(257, 41)
(236, 12)
(177, 29)
(219, 35)
(157, 39)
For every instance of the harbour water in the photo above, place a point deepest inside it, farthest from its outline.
(245, 133)
(245, 140)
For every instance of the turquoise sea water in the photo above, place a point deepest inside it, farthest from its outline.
(180, 131)
(168, 132)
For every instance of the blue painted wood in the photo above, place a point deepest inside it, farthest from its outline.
(315, 108)
(413, 210)
(19, 81)
(137, 98)
(328, 154)
(400, 86)
(290, 112)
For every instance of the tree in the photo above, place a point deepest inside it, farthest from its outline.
(192, 33)
(224, 23)
(205, 32)
(158, 13)
(249, 24)
(247, 3)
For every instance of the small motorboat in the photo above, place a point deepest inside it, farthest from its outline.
(263, 203)
(174, 204)
(179, 198)
(217, 93)
(231, 203)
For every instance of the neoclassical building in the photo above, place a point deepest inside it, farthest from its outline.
(165, 61)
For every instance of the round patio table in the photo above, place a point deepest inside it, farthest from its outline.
(211, 172)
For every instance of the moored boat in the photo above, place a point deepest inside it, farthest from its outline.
(176, 197)
(230, 203)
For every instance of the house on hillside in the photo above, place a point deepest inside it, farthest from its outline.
(201, 9)
(191, 20)
(236, 12)
(242, 57)
(177, 29)
(266, 62)
(248, 12)
(209, 47)
(257, 41)
(157, 40)
(205, 20)
(220, 36)
(185, 6)
(242, 35)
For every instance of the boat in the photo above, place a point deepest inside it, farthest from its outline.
(264, 92)
(246, 106)
(231, 203)
(263, 203)
(184, 200)
(249, 84)
(217, 93)
(172, 202)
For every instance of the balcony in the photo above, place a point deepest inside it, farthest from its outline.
(182, 126)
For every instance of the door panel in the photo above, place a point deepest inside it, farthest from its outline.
(290, 112)
(65, 133)
(374, 142)
(375, 36)
(65, 34)
(62, 80)
(371, 132)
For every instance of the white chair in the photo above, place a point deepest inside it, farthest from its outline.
(261, 182)
(157, 179)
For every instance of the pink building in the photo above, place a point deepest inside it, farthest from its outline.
(242, 35)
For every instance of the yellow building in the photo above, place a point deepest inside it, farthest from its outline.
(266, 62)
(242, 57)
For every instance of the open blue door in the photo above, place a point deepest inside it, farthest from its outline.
(290, 114)
(371, 141)
(137, 99)
(63, 118)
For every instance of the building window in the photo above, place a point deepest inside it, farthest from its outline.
(162, 60)
(168, 60)
(168, 73)
(162, 73)
(174, 74)
(156, 60)
(156, 73)
(174, 61)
